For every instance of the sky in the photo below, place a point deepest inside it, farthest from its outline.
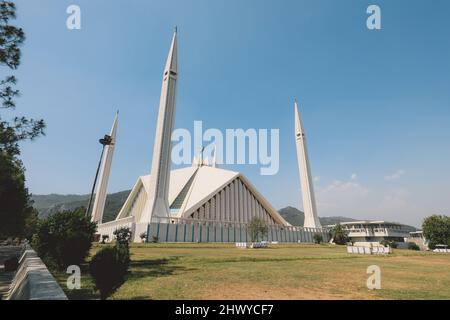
(375, 103)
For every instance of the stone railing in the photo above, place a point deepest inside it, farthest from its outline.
(33, 281)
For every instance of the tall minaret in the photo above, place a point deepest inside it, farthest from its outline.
(158, 193)
(100, 196)
(309, 201)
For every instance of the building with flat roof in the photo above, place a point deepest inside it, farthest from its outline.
(368, 231)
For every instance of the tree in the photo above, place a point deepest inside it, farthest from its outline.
(318, 238)
(339, 234)
(15, 203)
(19, 128)
(436, 229)
(16, 213)
(64, 238)
(257, 228)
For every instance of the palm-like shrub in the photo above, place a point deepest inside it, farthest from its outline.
(339, 234)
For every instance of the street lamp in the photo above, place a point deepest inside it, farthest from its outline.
(105, 141)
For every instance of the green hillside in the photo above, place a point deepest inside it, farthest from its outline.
(48, 204)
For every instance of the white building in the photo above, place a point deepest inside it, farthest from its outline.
(197, 203)
(366, 231)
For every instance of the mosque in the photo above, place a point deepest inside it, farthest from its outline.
(202, 202)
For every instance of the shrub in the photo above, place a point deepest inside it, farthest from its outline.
(104, 238)
(389, 243)
(123, 235)
(110, 265)
(318, 238)
(143, 236)
(413, 246)
(64, 238)
(108, 268)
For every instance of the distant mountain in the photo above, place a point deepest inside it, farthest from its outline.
(48, 204)
(297, 217)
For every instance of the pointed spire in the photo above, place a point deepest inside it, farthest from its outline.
(309, 201)
(100, 196)
(172, 63)
(298, 121)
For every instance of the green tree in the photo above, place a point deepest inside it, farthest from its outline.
(339, 234)
(15, 203)
(318, 238)
(18, 128)
(436, 229)
(16, 214)
(257, 229)
(64, 238)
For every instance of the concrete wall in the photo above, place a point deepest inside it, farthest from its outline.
(222, 232)
(187, 230)
(33, 281)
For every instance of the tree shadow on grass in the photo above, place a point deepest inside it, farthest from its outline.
(155, 268)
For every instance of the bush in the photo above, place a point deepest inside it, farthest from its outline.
(64, 238)
(104, 238)
(108, 269)
(389, 243)
(413, 246)
(123, 235)
(143, 236)
(110, 265)
(318, 238)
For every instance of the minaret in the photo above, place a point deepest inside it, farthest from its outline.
(100, 196)
(157, 205)
(309, 201)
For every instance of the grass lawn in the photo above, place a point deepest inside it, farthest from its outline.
(296, 271)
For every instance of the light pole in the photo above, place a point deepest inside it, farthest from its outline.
(105, 141)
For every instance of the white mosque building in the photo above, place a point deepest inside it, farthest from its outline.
(200, 203)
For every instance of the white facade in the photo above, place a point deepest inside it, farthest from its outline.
(309, 201)
(205, 193)
(100, 196)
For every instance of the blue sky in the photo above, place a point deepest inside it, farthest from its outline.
(375, 104)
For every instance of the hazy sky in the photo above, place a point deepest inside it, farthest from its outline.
(375, 104)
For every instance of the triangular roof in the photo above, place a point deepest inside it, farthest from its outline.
(202, 183)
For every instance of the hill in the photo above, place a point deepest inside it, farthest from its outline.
(297, 217)
(48, 204)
